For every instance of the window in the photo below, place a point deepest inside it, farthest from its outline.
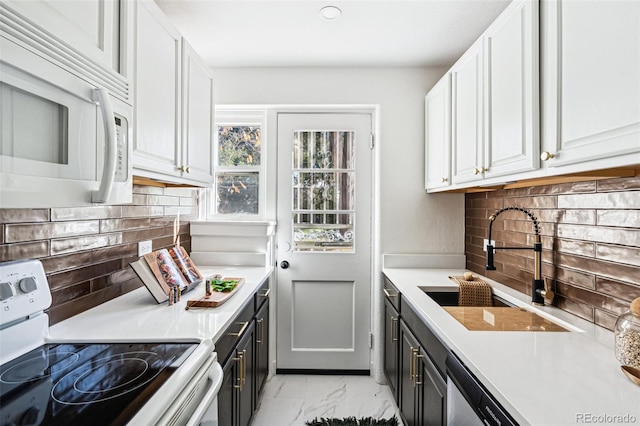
(239, 164)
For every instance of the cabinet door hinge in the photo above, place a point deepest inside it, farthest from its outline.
(372, 142)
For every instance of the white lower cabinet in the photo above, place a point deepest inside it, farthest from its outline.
(591, 81)
(174, 104)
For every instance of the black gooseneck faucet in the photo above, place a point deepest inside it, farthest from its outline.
(538, 291)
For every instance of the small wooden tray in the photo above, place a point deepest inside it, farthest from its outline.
(216, 298)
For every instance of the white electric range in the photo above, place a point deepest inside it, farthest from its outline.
(137, 382)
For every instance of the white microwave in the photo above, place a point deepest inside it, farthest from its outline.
(64, 141)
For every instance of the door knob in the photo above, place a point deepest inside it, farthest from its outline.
(284, 264)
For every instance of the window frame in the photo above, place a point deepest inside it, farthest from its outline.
(234, 117)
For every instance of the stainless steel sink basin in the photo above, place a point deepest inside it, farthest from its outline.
(502, 316)
(450, 298)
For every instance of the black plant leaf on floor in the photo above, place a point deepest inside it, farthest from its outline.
(352, 421)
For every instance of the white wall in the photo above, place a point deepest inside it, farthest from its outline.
(411, 221)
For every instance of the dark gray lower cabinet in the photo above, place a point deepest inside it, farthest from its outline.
(262, 348)
(408, 396)
(236, 396)
(391, 346)
(432, 400)
(414, 364)
(423, 392)
(226, 395)
(245, 378)
(243, 351)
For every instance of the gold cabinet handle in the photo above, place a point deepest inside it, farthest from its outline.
(239, 375)
(244, 327)
(391, 296)
(546, 155)
(394, 336)
(411, 365)
(444, 179)
(266, 293)
(244, 369)
(478, 170)
(260, 338)
(418, 356)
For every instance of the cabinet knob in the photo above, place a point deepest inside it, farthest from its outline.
(546, 155)
(478, 170)
(284, 264)
(444, 179)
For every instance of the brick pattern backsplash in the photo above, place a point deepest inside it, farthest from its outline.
(590, 238)
(86, 251)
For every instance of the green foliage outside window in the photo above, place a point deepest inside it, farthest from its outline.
(239, 145)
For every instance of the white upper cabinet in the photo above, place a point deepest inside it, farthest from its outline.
(92, 27)
(174, 104)
(511, 110)
(438, 134)
(158, 80)
(495, 115)
(91, 39)
(591, 83)
(467, 116)
(198, 117)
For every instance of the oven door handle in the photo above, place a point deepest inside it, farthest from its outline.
(215, 378)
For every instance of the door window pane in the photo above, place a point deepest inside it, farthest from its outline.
(323, 184)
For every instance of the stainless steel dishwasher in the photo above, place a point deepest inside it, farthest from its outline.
(468, 402)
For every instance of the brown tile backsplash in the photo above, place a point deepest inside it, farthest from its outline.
(591, 242)
(86, 251)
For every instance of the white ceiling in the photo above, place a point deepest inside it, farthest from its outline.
(249, 33)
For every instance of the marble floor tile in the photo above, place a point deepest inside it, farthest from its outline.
(293, 399)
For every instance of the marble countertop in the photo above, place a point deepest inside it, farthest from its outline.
(541, 378)
(136, 315)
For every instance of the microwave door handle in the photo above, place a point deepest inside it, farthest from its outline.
(101, 96)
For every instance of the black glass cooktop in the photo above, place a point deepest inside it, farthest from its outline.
(85, 384)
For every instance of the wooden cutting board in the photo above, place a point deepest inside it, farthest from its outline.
(216, 298)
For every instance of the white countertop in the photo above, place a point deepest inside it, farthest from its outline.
(136, 315)
(541, 378)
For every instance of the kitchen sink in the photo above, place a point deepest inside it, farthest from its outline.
(450, 298)
(502, 316)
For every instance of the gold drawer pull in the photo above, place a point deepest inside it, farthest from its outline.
(260, 338)
(266, 293)
(244, 327)
(391, 296)
(394, 337)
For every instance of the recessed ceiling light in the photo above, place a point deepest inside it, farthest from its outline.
(330, 13)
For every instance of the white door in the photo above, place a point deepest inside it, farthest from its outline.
(324, 241)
